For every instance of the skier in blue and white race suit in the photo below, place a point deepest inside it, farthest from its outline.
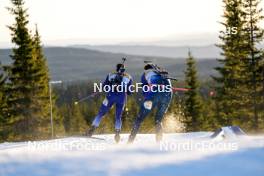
(114, 97)
(153, 99)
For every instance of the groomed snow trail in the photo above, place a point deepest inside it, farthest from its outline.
(183, 154)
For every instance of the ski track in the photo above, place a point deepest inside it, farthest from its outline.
(144, 157)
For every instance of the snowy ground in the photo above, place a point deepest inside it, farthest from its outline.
(186, 154)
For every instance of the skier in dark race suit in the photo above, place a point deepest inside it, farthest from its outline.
(113, 97)
(153, 99)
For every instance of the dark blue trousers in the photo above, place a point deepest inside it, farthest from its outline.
(110, 100)
(161, 101)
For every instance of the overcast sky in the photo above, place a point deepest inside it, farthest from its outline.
(117, 21)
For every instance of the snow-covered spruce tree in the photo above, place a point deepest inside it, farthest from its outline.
(24, 85)
(230, 84)
(193, 105)
(255, 62)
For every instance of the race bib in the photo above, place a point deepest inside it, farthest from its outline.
(148, 105)
(125, 80)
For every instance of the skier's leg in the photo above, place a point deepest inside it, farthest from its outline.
(162, 108)
(118, 120)
(144, 111)
(118, 116)
(105, 107)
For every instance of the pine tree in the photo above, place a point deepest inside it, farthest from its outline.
(2, 93)
(41, 93)
(255, 60)
(3, 106)
(26, 81)
(230, 88)
(78, 123)
(193, 105)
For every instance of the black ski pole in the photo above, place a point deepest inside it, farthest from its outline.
(86, 98)
(124, 60)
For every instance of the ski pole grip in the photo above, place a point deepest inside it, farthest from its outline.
(124, 60)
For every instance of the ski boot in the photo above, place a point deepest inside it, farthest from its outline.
(90, 131)
(117, 136)
(159, 135)
(132, 136)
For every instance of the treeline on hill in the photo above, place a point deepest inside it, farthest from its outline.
(234, 97)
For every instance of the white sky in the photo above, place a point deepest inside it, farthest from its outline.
(114, 21)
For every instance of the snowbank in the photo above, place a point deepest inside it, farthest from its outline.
(179, 154)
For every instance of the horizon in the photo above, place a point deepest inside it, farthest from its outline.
(139, 24)
(119, 22)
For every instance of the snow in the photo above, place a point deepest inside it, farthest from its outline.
(228, 132)
(181, 154)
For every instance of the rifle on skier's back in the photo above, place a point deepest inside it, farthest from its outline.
(119, 78)
(161, 71)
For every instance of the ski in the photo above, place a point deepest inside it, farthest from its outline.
(91, 137)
